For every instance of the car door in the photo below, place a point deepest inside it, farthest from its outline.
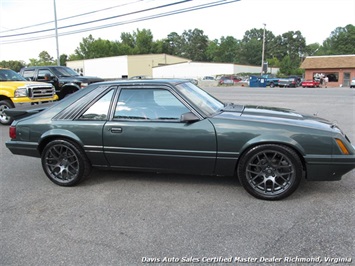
(145, 132)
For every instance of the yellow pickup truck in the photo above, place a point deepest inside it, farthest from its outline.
(16, 91)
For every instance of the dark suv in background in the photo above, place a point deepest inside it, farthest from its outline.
(64, 79)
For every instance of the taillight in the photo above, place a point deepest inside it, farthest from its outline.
(12, 132)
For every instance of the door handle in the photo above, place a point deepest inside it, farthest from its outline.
(116, 130)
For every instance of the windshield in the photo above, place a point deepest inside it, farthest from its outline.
(201, 99)
(64, 72)
(10, 75)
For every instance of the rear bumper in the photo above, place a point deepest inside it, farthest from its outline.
(23, 148)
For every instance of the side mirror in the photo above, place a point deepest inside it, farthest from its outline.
(189, 117)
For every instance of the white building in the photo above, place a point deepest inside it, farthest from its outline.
(157, 66)
(198, 70)
(125, 66)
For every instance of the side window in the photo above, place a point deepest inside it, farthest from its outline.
(42, 73)
(99, 110)
(28, 74)
(149, 104)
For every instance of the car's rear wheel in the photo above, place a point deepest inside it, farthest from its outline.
(270, 171)
(5, 119)
(65, 163)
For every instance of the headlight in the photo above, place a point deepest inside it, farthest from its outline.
(84, 85)
(21, 92)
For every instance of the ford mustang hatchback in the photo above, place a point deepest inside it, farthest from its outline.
(174, 126)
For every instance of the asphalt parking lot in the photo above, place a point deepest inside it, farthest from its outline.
(122, 218)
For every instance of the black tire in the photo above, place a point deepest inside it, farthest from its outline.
(272, 85)
(5, 119)
(65, 163)
(270, 171)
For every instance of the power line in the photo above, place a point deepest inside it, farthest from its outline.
(170, 13)
(75, 16)
(97, 20)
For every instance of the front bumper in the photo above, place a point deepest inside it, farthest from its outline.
(25, 101)
(329, 168)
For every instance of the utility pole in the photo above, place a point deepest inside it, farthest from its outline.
(56, 32)
(263, 52)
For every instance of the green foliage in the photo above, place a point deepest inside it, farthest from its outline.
(312, 49)
(14, 65)
(44, 59)
(194, 45)
(143, 42)
(63, 59)
(341, 41)
(285, 51)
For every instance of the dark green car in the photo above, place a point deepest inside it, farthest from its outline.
(174, 126)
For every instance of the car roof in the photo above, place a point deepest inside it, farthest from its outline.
(43, 67)
(172, 81)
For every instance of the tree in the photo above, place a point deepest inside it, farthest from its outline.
(85, 49)
(288, 67)
(14, 65)
(250, 51)
(194, 44)
(143, 41)
(158, 47)
(63, 59)
(128, 39)
(212, 51)
(273, 62)
(228, 49)
(313, 49)
(340, 41)
(286, 50)
(92, 48)
(294, 45)
(173, 44)
(44, 59)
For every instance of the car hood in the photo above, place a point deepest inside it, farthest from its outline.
(274, 115)
(85, 79)
(20, 83)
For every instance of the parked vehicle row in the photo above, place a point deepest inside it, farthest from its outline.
(36, 85)
(16, 91)
(64, 79)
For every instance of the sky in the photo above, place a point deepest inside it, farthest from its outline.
(315, 19)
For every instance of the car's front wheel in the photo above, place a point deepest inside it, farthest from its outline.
(65, 163)
(270, 171)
